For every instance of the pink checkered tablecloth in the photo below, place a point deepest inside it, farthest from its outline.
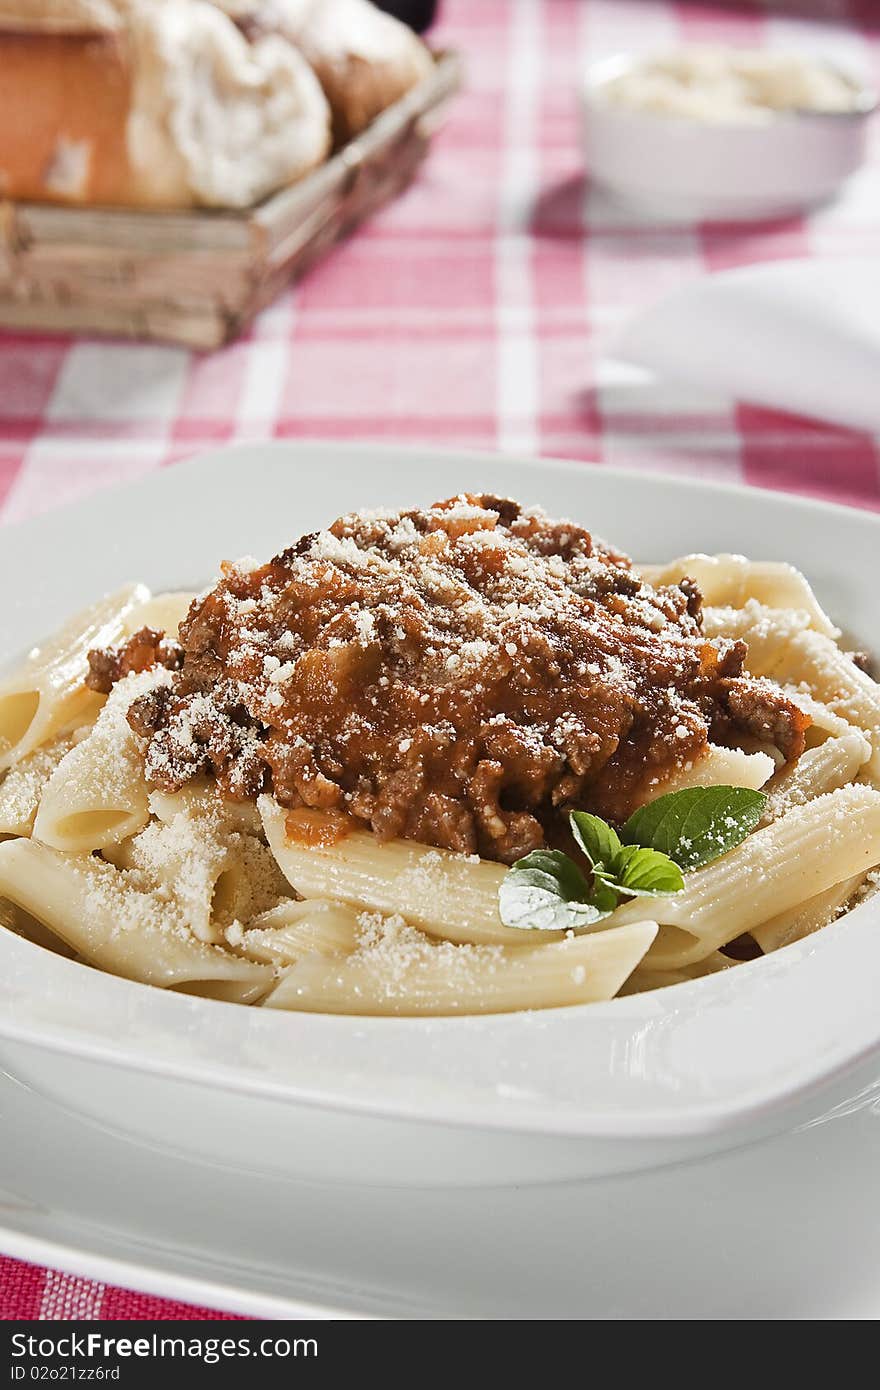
(472, 312)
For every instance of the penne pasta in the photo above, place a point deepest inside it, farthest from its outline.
(805, 852)
(782, 649)
(217, 873)
(825, 723)
(641, 979)
(447, 895)
(405, 974)
(818, 770)
(47, 694)
(768, 632)
(868, 778)
(163, 612)
(718, 767)
(98, 796)
(294, 929)
(24, 784)
(92, 907)
(732, 581)
(807, 917)
(16, 920)
(832, 677)
(202, 800)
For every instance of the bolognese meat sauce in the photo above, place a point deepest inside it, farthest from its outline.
(461, 675)
(143, 650)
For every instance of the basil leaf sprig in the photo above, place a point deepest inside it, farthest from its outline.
(632, 870)
(696, 825)
(547, 890)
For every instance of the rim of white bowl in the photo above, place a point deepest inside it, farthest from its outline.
(604, 70)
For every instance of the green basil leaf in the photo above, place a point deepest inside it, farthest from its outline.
(596, 838)
(603, 875)
(605, 897)
(696, 825)
(546, 891)
(555, 862)
(647, 873)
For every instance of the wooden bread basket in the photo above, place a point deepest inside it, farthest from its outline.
(199, 277)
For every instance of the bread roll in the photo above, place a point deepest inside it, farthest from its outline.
(59, 16)
(151, 103)
(365, 59)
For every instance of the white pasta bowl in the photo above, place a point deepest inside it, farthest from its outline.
(672, 165)
(537, 1096)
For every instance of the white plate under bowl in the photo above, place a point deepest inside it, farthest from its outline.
(789, 1228)
(539, 1096)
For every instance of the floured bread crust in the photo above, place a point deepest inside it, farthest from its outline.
(213, 119)
(166, 106)
(65, 109)
(365, 59)
(59, 16)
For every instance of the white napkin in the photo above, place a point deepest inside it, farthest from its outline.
(801, 336)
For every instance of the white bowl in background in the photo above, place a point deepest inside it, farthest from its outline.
(557, 1094)
(669, 165)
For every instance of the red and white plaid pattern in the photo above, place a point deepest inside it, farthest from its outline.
(474, 311)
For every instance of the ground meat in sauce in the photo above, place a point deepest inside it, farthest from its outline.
(143, 650)
(462, 676)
